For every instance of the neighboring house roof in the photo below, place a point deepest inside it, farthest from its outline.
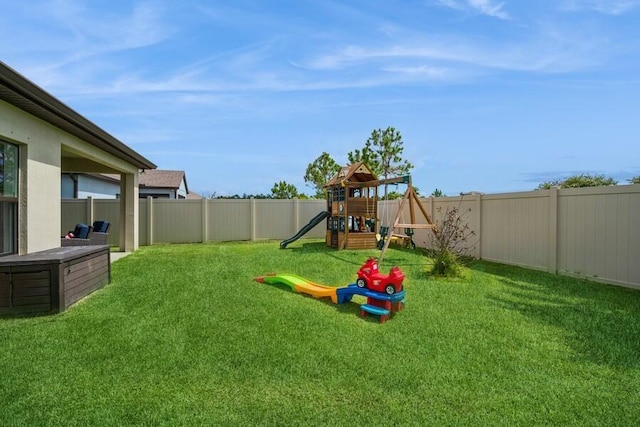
(156, 178)
(20, 92)
(194, 196)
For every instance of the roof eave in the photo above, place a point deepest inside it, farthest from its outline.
(22, 93)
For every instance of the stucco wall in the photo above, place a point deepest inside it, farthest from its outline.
(41, 162)
(39, 197)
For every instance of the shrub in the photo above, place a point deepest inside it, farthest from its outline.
(578, 181)
(450, 242)
(445, 263)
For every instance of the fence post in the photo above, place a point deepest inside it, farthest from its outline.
(89, 207)
(553, 231)
(296, 215)
(479, 225)
(253, 219)
(205, 231)
(432, 209)
(149, 220)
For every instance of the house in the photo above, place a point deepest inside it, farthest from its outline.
(95, 185)
(157, 183)
(163, 184)
(40, 137)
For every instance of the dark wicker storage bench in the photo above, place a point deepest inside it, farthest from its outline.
(50, 281)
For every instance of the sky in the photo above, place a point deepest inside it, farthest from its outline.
(490, 96)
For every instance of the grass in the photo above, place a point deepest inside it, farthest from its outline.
(184, 336)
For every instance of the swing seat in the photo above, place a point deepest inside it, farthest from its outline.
(370, 224)
(402, 236)
(384, 231)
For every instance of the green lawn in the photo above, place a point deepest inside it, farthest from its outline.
(184, 336)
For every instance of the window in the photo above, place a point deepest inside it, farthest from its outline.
(8, 198)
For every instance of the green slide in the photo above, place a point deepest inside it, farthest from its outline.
(314, 221)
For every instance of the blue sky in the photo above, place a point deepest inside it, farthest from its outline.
(490, 96)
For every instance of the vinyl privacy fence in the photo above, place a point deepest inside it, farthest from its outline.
(586, 232)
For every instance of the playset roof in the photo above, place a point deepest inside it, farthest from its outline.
(357, 172)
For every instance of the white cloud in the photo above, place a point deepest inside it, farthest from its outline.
(72, 33)
(91, 32)
(453, 4)
(144, 27)
(76, 50)
(550, 54)
(608, 7)
(420, 70)
(485, 7)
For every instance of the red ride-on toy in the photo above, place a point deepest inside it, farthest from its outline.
(371, 278)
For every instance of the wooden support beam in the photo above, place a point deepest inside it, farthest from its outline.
(409, 196)
(422, 209)
(418, 226)
(406, 179)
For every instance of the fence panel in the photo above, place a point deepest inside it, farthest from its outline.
(307, 209)
(515, 229)
(106, 210)
(274, 219)
(229, 220)
(73, 212)
(599, 233)
(177, 222)
(144, 232)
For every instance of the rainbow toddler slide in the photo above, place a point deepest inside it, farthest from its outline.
(378, 303)
(302, 285)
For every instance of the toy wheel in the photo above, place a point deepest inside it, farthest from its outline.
(390, 290)
(361, 283)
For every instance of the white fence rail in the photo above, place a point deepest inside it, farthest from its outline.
(586, 232)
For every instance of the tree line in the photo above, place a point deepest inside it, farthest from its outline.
(584, 180)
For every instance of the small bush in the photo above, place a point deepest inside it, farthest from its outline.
(445, 263)
(450, 242)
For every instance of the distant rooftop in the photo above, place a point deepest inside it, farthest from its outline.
(158, 178)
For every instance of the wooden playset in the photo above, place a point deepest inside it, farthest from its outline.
(352, 202)
(352, 205)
